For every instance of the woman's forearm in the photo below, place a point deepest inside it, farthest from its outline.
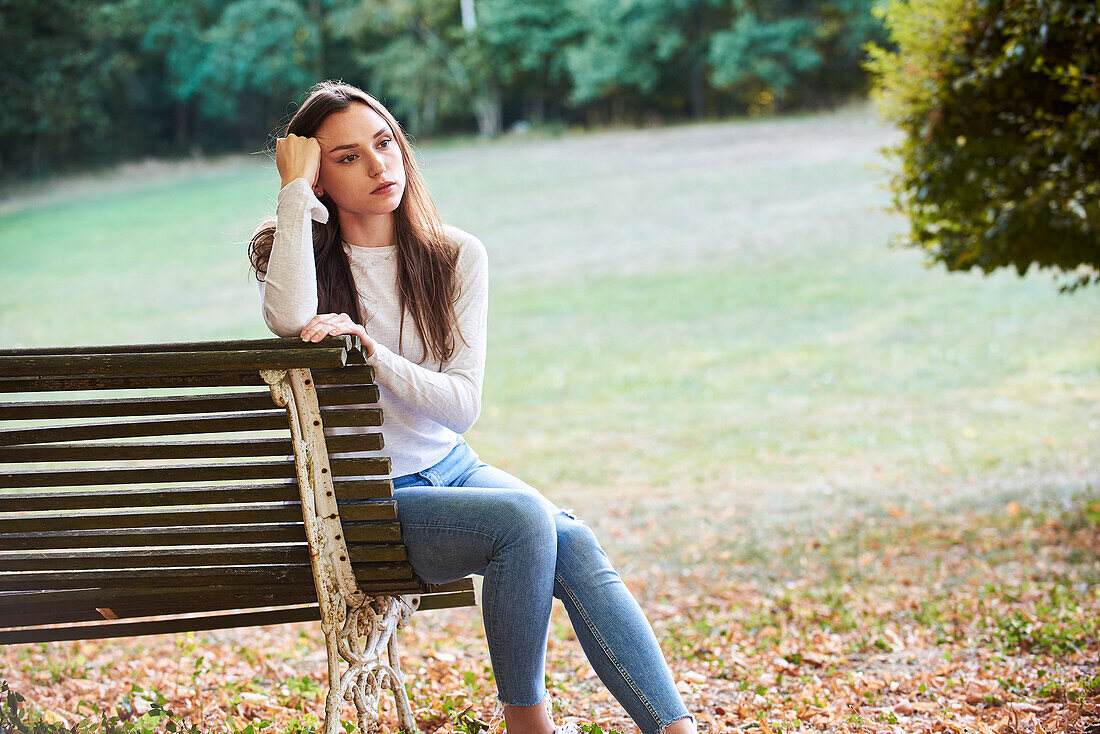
(451, 398)
(289, 290)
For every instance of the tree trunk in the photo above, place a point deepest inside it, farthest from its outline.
(488, 109)
(181, 131)
(698, 85)
(535, 109)
(316, 14)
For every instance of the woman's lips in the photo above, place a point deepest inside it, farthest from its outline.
(385, 188)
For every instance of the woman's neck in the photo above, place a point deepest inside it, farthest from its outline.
(367, 230)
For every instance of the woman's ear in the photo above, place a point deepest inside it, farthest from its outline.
(318, 190)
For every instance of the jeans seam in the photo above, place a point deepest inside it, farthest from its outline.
(607, 651)
(450, 527)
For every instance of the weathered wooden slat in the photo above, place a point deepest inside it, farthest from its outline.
(463, 584)
(202, 449)
(447, 600)
(80, 527)
(186, 624)
(227, 472)
(207, 449)
(224, 555)
(200, 602)
(369, 511)
(362, 489)
(38, 599)
(151, 517)
(164, 600)
(351, 374)
(349, 394)
(265, 420)
(127, 607)
(132, 497)
(133, 578)
(174, 404)
(356, 374)
(178, 363)
(347, 341)
(286, 532)
(114, 558)
(117, 381)
(370, 532)
(384, 528)
(359, 466)
(376, 493)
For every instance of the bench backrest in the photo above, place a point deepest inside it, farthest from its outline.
(160, 480)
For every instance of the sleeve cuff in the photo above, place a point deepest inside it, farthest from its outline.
(299, 188)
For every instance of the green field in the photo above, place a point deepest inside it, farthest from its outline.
(706, 311)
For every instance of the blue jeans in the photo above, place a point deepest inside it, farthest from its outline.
(463, 516)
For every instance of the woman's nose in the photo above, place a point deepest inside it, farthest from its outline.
(375, 164)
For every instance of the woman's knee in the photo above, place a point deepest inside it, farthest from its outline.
(524, 516)
(574, 536)
(580, 559)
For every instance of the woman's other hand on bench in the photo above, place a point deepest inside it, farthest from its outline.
(334, 324)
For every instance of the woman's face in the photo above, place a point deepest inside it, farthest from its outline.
(359, 156)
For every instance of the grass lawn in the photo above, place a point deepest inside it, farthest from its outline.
(701, 340)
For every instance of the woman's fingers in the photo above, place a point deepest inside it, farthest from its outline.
(298, 156)
(328, 324)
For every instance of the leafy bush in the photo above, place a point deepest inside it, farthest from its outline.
(999, 102)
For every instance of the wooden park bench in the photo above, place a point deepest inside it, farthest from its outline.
(175, 487)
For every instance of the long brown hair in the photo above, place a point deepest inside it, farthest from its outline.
(426, 259)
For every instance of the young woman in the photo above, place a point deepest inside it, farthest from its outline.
(357, 247)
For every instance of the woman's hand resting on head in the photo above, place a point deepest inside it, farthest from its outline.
(298, 157)
(334, 324)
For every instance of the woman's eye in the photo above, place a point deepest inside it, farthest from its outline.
(385, 140)
(349, 155)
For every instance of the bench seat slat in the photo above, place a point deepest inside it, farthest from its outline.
(123, 608)
(156, 517)
(12, 602)
(164, 626)
(346, 341)
(257, 420)
(127, 497)
(224, 555)
(199, 601)
(307, 613)
(187, 472)
(175, 404)
(290, 532)
(118, 578)
(177, 363)
(208, 449)
(351, 374)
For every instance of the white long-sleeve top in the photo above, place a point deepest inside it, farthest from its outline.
(426, 404)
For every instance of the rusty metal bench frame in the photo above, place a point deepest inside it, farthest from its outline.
(60, 559)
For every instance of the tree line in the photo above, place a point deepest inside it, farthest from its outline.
(87, 83)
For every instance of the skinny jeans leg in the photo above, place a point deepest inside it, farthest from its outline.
(463, 516)
(507, 536)
(609, 623)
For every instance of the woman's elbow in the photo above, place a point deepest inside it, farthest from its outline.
(466, 418)
(283, 324)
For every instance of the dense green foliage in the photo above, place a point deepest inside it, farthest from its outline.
(1000, 104)
(92, 81)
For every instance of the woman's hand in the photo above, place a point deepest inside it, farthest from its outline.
(334, 324)
(298, 157)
